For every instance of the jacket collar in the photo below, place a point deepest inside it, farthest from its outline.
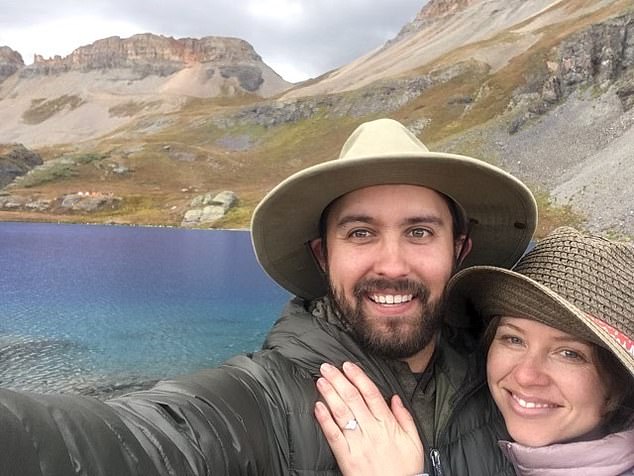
(608, 456)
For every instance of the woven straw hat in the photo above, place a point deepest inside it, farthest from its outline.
(501, 209)
(580, 284)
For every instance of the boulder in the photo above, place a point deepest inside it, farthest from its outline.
(208, 209)
(90, 201)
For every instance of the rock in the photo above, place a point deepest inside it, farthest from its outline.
(10, 62)
(120, 169)
(201, 200)
(192, 217)
(382, 97)
(225, 200)
(601, 57)
(12, 202)
(90, 201)
(208, 209)
(16, 160)
(211, 214)
(39, 205)
(148, 54)
(249, 77)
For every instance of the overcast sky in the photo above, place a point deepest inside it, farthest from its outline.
(299, 39)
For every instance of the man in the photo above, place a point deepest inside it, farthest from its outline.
(366, 243)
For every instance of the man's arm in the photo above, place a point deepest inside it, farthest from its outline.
(211, 422)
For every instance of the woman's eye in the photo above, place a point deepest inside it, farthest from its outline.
(570, 354)
(511, 340)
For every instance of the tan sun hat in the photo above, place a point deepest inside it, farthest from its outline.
(580, 284)
(501, 209)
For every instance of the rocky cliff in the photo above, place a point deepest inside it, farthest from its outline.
(16, 160)
(151, 54)
(600, 56)
(10, 62)
(216, 61)
(572, 130)
(434, 10)
(439, 8)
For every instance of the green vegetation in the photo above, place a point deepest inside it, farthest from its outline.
(42, 110)
(58, 169)
(552, 216)
(237, 217)
(132, 108)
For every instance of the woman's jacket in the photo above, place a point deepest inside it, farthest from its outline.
(612, 455)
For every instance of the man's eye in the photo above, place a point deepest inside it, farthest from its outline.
(419, 232)
(359, 233)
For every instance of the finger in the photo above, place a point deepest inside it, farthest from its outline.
(347, 394)
(339, 409)
(335, 437)
(370, 393)
(337, 441)
(404, 418)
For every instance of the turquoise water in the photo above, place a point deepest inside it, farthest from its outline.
(101, 310)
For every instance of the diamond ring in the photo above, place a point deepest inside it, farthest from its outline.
(352, 424)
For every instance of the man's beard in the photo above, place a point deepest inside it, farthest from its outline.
(390, 340)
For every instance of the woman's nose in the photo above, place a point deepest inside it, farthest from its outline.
(531, 370)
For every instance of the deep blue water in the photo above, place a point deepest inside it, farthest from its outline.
(103, 309)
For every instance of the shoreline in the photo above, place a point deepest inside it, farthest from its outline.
(6, 218)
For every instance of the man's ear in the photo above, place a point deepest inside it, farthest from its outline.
(317, 247)
(462, 248)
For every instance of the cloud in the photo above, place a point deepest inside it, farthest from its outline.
(68, 32)
(277, 12)
(297, 38)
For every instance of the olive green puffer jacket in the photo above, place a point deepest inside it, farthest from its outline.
(251, 416)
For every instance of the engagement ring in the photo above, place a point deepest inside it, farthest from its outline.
(351, 425)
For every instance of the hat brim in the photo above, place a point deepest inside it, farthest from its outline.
(483, 292)
(501, 208)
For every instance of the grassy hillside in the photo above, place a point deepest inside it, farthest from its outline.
(158, 163)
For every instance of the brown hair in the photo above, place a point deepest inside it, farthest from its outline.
(459, 221)
(618, 381)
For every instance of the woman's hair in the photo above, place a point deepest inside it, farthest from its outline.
(620, 385)
(616, 378)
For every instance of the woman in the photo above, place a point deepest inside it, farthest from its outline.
(560, 367)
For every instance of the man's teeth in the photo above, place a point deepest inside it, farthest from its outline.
(524, 404)
(392, 298)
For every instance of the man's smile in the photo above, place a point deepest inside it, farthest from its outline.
(391, 298)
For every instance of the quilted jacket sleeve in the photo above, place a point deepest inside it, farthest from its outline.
(223, 421)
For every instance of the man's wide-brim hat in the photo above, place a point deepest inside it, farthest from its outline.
(500, 208)
(580, 284)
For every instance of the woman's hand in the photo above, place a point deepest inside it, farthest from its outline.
(383, 441)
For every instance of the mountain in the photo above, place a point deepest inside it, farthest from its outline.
(99, 87)
(10, 62)
(542, 88)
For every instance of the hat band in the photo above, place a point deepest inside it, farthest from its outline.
(616, 335)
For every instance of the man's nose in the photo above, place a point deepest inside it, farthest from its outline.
(390, 259)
